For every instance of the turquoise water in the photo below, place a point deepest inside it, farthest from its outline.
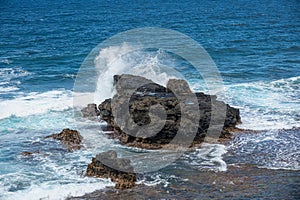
(255, 46)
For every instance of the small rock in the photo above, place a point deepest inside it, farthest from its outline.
(90, 111)
(69, 138)
(108, 165)
(28, 153)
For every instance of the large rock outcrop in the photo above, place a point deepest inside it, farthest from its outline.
(71, 139)
(139, 103)
(119, 170)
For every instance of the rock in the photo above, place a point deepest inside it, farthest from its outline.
(178, 86)
(28, 153)
(119, 170)
(152, 114)
(71, 139)
(90, 111)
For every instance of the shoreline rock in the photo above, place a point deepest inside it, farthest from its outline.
(147, 98)
(91, 111)
(108, 165)
(71, 139)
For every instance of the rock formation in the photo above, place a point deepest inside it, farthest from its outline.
(71, 139)
(145, 100)
(119, 170)
(90, 111)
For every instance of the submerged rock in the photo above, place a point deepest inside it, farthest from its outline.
(71, 139)
(149, 115)
(29, 153)
(119, 170)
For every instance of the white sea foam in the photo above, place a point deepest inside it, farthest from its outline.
(53, 173)
(208, 157)
(273, 149)
(8, 76)
(12, 72)
(129, 60)
(36, 103)
(8, 89)
(267, 105)
(158, 178)
(6, 61)
(55, 190)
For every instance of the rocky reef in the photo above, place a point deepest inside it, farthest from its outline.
(140, 103)
(71, 139)
(108, 165)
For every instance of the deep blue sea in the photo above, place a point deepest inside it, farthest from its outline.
(254, 44)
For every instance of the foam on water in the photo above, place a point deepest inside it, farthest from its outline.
(53, 173)
(273, 149)
(5, 61)
(208, 157)
(9, 78)
(127, 59)
(36, 103)
(267, 105)
(8, 89)
(158, 178)
(55, 190)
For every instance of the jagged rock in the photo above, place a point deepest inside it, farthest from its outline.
(119, 170)
(90, 111)
(155, 115)
(71, 139)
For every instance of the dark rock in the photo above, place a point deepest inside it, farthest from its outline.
(148, 115)
(28, 153)
(71, 139)
(119, 170)
(90, 111)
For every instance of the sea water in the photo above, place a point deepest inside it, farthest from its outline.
(255, 46)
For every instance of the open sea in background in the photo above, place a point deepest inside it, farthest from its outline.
(255, 45)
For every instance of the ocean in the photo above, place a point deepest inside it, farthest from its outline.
(255, 45)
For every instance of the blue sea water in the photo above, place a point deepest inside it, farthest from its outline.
(254, 44)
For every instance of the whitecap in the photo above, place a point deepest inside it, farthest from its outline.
(266, 105)
(129, 59)
(36, 103)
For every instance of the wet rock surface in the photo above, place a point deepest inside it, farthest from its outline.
(156, 114)
(90, 112)
(71, 139)
(108, 165)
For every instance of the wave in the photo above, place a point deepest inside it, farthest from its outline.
(55, 190)
(130, 59)
(53, 173)
(5, 61)
(9, 78)
(10, 73)
(6, 89)
(36, 103)
(267, 105)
